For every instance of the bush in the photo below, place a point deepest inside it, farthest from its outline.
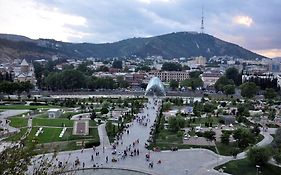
(180, 134)
(91, 144)
(225, 138)
(38, 104)
(258, 155)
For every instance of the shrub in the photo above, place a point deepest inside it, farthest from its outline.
(258, 155)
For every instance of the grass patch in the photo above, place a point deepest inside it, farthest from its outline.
(227, 150)
(56, 122)
(26, 107)
(244, 166)
(52, 135)
(167, 139)
(202, 121)
(18, 122)
(168, 146)
(16, 137)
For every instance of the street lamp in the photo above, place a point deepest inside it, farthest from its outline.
(257, 166)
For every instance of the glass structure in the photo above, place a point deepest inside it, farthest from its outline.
(155, 87)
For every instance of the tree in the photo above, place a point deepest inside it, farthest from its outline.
(210, 135)
(258, 155)
(174, 84)
(225, 138)
(169, 66)
(104, 110)
(17, 160)
(270, 93)
(167, 106)
(243, 110)
(176, 123)
(277, 139)
(194, 74)
(229, 89)
(117, 64)
(243, 137)
(73, 79)
(192, 82)
(93, 115)
(143, 67)
(221, 82)
(103, 69)
(248, 89)
(233, 74)
(84, 68)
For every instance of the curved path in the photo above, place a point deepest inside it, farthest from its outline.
(208, 169)
(4, 123)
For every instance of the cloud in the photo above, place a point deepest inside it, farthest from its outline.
(35, 20)
(164, 22)
(243, 20)
(97, 21)
(271, 53)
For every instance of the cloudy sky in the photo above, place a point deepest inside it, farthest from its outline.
(253, 24)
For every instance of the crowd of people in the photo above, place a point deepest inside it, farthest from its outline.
(120, 149)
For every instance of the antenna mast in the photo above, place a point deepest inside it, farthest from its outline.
(202, 21)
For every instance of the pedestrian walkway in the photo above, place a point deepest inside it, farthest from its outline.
(104, 140)
(188, 161)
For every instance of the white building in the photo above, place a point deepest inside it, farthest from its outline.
(54, 113)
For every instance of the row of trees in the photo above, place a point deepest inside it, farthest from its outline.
(74, 79)
(193, 82)
(8, 87)
(232, 78)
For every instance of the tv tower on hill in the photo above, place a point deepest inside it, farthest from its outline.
(202, 21)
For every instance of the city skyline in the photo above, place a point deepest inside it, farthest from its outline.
(243, 23)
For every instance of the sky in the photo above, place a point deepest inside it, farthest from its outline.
(252, 24)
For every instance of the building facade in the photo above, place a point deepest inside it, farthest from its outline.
(166, 76)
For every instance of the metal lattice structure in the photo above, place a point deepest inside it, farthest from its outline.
(155, 87)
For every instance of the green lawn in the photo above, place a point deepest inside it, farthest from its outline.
(52, 135)
(25, 107)
(166, 139)
(168, 146)
(244, 167)
(202, 121)
(56, 122)
(18, 122)
(227, 150)
(17, 137)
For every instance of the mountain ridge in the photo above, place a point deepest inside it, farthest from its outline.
(171, 45)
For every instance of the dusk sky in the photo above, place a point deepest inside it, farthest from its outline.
(253, 24)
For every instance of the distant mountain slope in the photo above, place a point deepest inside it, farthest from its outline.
(180, 44)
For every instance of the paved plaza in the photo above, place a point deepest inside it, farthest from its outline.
(181, 162)
(189, 161)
